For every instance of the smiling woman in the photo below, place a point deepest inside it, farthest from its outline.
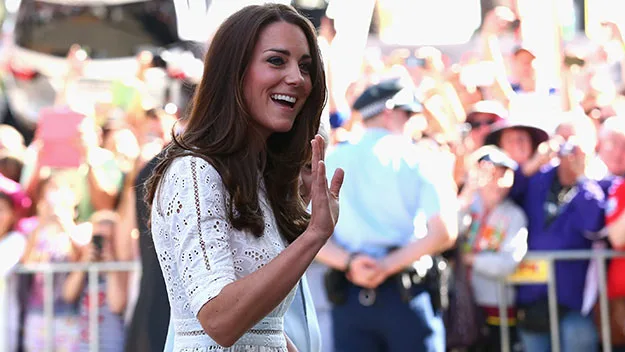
(278, 79)
(231, 231)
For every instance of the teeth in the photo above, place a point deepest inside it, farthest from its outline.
(283, 97)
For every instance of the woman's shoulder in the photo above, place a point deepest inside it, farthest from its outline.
(195, 166)
(189, 179)
(191, 176)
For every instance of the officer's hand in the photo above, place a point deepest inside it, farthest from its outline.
(325, 201)
(364, 271)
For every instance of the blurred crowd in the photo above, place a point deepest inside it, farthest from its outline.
(537, 165)
(68, 197)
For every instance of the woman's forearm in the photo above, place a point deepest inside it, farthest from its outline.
(117, 291)
(333, 256)
(243, 303)
(73, 286)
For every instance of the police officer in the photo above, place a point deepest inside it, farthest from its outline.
(380, 302)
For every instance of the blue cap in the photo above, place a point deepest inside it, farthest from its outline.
(388, 94)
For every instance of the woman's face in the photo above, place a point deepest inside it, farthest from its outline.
(57, 200)
(481, 125)
(278, 82)
(517, 143)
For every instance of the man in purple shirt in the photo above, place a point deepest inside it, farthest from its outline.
(562, 207)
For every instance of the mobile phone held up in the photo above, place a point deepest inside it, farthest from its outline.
(98, 243)
(567, 148)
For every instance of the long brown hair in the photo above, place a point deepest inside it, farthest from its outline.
(218, 128)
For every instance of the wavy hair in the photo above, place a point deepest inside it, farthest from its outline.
(218, 128)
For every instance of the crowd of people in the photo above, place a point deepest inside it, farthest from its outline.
(450, 179)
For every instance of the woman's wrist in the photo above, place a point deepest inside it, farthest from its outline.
(314, 239)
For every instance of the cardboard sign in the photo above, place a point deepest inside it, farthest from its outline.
(531, 271)
(58, 128)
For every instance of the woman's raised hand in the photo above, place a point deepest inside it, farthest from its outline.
(325, 201)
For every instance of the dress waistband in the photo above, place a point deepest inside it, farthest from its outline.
(192, 327)
(269, 323)
(268, 332)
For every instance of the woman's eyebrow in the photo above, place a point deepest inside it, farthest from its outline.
(288, 53)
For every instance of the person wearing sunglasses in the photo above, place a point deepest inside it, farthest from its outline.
(481, 118)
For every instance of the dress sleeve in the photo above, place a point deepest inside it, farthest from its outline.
(193, 207)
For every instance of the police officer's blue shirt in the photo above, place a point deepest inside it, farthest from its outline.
(389, 184)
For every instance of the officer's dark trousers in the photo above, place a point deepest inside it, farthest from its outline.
(389, 325)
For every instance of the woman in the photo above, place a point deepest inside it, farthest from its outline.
(225, 200)
(52, 241)
(518, 139)
(103, 235)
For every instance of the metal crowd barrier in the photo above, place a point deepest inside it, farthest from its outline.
(550, 257)
(48, 270)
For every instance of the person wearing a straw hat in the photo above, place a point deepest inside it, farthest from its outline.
(517, 139)
(389, 181)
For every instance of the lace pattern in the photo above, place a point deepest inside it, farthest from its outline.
(200, 252)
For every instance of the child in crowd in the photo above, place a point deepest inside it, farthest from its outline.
(496, 240)
(51, 242)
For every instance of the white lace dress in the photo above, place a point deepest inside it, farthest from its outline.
(200, 252)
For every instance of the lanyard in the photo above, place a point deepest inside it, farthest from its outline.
(557, 198)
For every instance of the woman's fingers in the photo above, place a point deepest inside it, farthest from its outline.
(315, 157)
(322, 146)
(337, 182)
(322, 182)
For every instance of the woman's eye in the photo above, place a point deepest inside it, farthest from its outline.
(275, 60)
(305, 67)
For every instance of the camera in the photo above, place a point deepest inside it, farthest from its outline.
(567, 148)
(98, 242)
